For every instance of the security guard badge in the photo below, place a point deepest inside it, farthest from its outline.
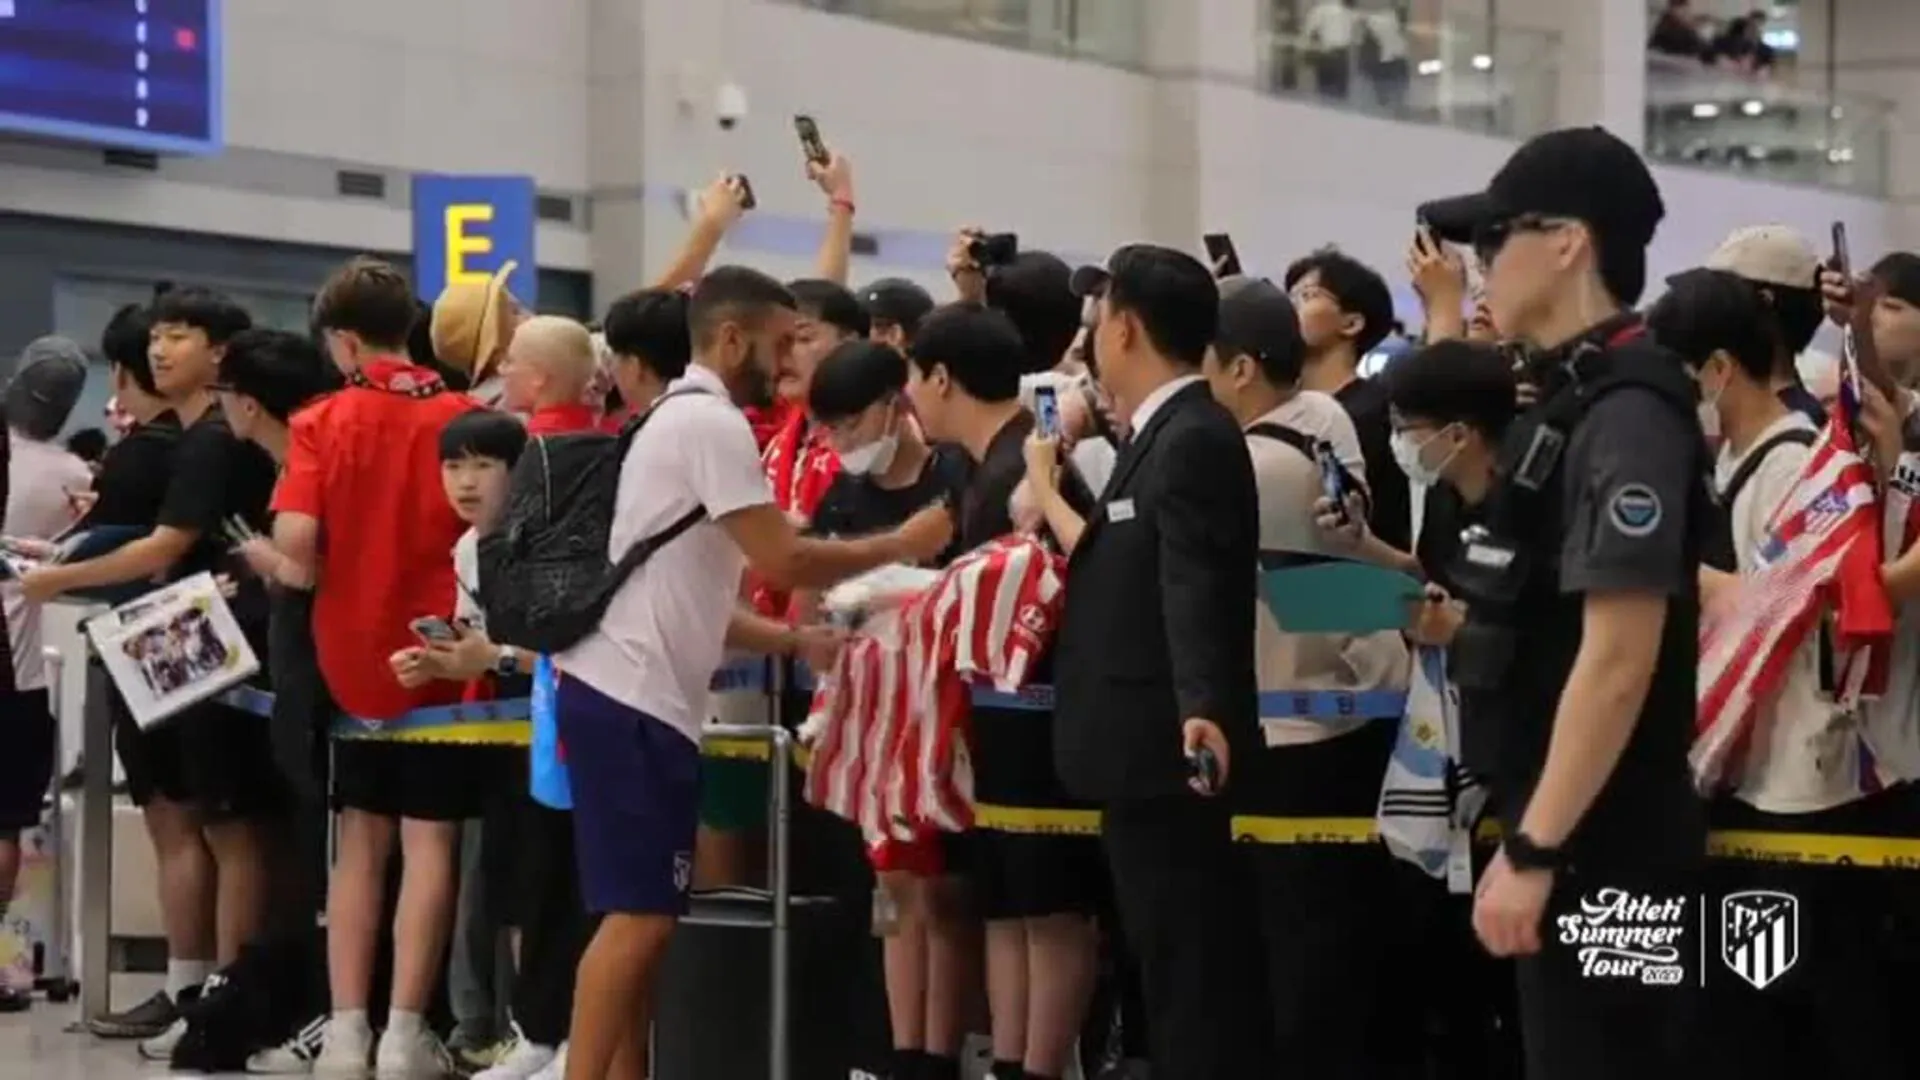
(1634, 510)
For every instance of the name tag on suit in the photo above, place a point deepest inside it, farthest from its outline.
(1120, 510)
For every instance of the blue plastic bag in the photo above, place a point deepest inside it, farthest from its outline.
(549, 773)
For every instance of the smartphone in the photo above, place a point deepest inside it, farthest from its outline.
(1333, 478)
(1221, 255)
(434, 630)
(1046, 408)
(810, 142)
(1842, 261)
(747, 201)
(998, 249)
(1203, 766)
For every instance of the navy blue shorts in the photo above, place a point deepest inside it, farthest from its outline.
(636, 803)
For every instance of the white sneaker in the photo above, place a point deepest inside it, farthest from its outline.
(523, 1062)
(294, 1057)
(344, 1050)
(160, 1047)
(556, 1069)
(421, 1057)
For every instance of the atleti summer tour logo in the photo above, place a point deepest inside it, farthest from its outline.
(1620, 934)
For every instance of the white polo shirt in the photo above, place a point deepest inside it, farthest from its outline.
(662, 637)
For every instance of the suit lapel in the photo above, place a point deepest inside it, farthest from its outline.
(1131, 455)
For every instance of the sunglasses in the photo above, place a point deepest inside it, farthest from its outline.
(1493, 236)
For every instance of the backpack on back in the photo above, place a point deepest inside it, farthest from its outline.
(545, 578)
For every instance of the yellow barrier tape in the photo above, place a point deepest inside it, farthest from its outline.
(494, 733)
(1814, 849)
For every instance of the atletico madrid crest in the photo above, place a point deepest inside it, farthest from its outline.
(1759, 935)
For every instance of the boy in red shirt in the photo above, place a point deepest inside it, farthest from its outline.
(363, 520)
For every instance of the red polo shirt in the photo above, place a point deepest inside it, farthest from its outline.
(366, 463)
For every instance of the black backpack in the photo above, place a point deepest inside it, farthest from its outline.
(545, 579)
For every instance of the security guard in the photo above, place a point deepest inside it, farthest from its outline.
(1576, 665)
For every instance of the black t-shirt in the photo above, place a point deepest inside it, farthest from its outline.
(1443, 516)
(216, 476)
(986, 511)
(856, 505)
(133, 475)
(1392, 517)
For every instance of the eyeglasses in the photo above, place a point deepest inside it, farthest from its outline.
(1491, 237)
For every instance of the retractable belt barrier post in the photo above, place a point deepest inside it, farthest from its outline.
(56, 971)
(96, 839)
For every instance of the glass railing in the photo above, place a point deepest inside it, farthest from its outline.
(1107, 31)
(1765, 128)
(1461, 73)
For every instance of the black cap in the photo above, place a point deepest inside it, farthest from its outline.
(45, 386)
(896, 300)
(1587, 174)
(1257, 319)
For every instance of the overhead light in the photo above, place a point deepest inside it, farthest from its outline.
(1753, 108)
(1431, 67)
(1756, 153)
(1482, 62)
(1836, 113)
(1706, 110)
(1841, 155)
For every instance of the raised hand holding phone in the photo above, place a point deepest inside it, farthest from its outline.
(1858, 337)
(1221, 255)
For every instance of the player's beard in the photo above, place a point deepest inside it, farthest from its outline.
(752, 385)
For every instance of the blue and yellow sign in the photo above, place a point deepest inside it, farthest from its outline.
(466, 227)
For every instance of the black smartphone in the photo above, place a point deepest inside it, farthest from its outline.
(747, 201)
(1333, 478)
(1221, 255)
(999, 249)
(434, 630)
(810, 141)
(1046, 409)
(1204, 767)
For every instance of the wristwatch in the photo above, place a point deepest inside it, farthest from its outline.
(1523, 854)
(507, 663)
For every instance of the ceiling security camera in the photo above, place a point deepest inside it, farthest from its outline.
(730, 105)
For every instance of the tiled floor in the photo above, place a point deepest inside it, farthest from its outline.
(36, 1046)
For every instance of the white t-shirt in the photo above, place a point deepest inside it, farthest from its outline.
(1288, 483)
(1330, 26)
(662, 637)
(1387, 33)
(1806, 753)
(39, 476)
(466, 572)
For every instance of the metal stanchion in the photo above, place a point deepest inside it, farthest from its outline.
(96, 841)
(56, 972)
(780, 889)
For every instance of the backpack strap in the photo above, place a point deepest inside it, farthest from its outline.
(642, 549)
(1293, 437)
(1758, 456)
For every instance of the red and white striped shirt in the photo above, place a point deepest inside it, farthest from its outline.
(891, 752)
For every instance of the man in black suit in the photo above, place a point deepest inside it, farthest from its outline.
(1154, 664)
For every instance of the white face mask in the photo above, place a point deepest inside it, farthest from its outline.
(1407, 452)
(875, 457)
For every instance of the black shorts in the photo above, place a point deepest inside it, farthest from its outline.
(422, 781)
(27, 736)
(512, 847)
(1021, 875)
(212, 757)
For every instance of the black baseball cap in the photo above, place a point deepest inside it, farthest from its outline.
(898, 301)
(1587, 173)
(1257, 319)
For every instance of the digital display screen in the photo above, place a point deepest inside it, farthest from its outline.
(135, 74)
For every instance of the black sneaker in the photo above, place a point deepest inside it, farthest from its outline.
(143, 1021)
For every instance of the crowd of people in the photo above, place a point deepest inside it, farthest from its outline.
(1181, 856)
